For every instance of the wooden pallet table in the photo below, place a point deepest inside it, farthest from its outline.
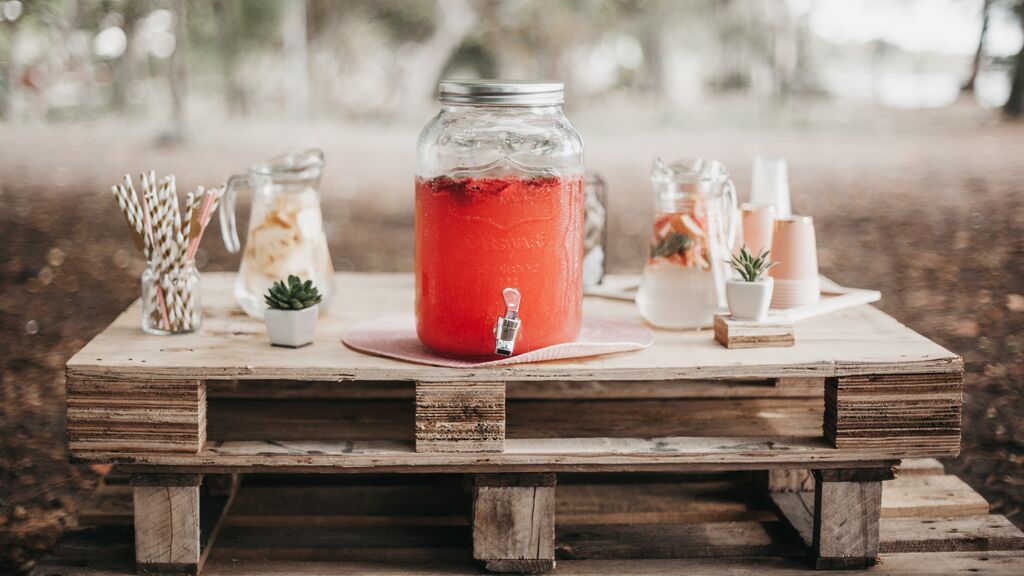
(835, 413)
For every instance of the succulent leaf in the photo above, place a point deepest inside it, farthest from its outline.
(292, 295)
(751, 268)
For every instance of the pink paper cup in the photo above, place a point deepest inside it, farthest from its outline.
(795, 249)
(758, 224)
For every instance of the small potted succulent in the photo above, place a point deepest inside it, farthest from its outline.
(751, 293)
(291, 312)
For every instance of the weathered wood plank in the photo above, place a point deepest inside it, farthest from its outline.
(986, 532)
(460, 416)
(846, 514)
(658, 502)
(931, 496)
(231, 346)
(514, 522)
(653, 541)
(670, 454)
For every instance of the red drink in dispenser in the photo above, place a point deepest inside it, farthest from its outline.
(476, 237)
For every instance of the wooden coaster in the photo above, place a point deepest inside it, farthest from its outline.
(772, 333)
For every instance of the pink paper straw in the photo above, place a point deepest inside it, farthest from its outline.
(164, 320)
(204, 220)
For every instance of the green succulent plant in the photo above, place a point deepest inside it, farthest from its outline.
(751, 268)
(295, 295)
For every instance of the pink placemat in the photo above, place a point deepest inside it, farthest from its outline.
(395, 337)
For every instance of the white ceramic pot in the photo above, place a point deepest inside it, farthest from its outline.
(749, 300)
(291, 328)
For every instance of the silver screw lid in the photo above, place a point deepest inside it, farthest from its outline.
(502, 92)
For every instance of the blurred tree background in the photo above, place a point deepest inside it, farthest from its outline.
(181, 60)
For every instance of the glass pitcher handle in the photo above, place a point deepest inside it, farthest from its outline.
(228, 227)
(733, 219)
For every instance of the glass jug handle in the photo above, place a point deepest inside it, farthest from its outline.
(733, 218)
(228, 228)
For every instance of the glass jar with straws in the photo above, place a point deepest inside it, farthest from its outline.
(168, 236)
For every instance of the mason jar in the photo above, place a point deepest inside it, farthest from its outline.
(171, 300)
(499, 220)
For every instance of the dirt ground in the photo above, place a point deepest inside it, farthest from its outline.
(927, 207)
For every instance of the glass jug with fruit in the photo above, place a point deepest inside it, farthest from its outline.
(683, 283)
(499, 221)
(286, 233)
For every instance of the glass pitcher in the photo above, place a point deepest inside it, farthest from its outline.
(286, 234)
(683, 283)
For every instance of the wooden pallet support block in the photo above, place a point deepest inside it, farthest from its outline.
(111, 415)
(915, 415)
(847, 509)
(514, 522)
(460, 416)
(167, 523)
(749, 334)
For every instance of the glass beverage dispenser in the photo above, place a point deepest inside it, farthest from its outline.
(499, 220)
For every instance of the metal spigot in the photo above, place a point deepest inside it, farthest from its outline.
(507, 328)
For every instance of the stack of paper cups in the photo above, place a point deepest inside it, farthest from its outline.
(796, 274)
